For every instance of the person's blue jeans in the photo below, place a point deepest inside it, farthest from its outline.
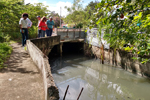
(24, 36)
(49, 32)
(42, 33)
(39, 33)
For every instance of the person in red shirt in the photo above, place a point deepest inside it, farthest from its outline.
(43, 26)
(47, 30)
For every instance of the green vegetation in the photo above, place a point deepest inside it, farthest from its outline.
(125, 22)
(5, 49)
(11, 11)
(78, 16)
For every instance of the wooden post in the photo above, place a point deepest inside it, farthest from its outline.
(102, 53)
(61, 44)
(59, 49)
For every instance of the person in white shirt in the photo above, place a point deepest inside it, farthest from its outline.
(24, 28)
(39, 28)
(29, 23)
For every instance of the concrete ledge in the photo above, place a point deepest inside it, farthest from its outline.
(46, 42)
(50, 89)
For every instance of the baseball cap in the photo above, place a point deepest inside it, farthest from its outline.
(37, 16)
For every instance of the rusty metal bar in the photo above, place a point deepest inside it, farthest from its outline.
(66, 92)
(80, 94)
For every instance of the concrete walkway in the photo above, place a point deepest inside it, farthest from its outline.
(21, 80)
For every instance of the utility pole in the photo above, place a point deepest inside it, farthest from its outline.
(60, 17)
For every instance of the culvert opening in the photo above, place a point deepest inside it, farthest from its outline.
(67, 49)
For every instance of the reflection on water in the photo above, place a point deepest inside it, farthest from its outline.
(100, 82)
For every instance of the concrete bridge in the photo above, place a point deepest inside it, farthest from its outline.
(39, 48)
(63, 36)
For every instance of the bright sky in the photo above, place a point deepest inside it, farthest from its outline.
(54, 5)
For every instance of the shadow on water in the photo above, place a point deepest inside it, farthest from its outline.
(72, 50)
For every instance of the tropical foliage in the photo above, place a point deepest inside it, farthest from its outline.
(125, 22)
(78, 16)
(11, 11)
(5, 48)
(10, 14)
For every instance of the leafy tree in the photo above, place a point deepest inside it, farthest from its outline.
(77, 16)
(91, 7)
(126, 22)
(11, 11)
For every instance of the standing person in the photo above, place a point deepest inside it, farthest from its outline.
(39, 28)
(50, 25)
(23, 28)
(29, 23)
(43, 26)
(47, 30)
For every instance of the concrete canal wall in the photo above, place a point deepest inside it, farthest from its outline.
(39, 58)
(47, 43)
(121, 59)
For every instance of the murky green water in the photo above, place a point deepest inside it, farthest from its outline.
(100, 82)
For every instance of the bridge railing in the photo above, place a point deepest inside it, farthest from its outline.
(70, 34)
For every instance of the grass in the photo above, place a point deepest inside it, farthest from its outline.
(5, 51)
(25, 48)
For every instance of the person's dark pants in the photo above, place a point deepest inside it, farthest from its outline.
(39, 33)
(49, 32)
(24, 36)
(42, 33)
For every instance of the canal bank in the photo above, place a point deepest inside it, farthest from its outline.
(120, 58)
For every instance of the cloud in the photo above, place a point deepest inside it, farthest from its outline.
(54, 7)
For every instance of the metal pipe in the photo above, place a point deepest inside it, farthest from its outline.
(80, 94)
(66, 92)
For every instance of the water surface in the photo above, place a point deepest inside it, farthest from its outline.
(100, 82)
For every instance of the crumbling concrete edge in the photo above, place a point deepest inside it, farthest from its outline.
(123, 60)
(41, 61)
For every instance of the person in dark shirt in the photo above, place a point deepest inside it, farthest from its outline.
(50, 25)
